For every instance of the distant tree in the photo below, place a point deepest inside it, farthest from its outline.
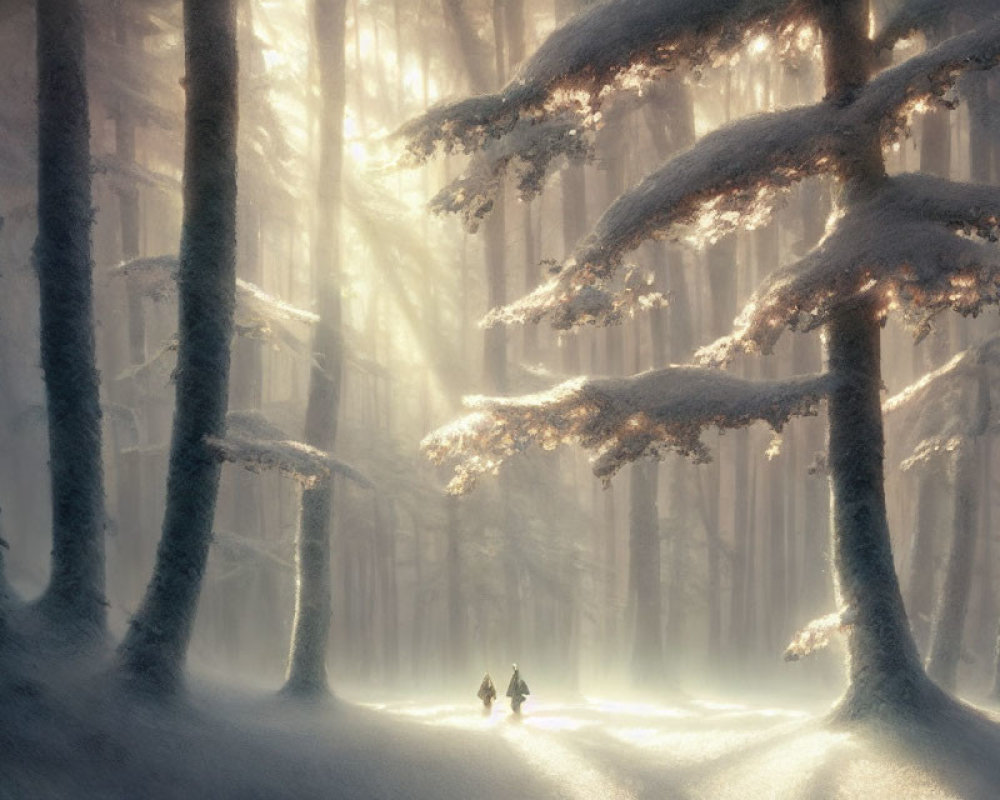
(75, 595)
(951, 410)
(893, 245)
(311, 631)
(152, 653)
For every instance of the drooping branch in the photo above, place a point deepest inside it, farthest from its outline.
(732, 177)
(620, 419)
(257, 312)
(256, 444)
(950, 406)
(899, 246)
(127, 175)
(618, 42)
(959, 369)
(914, 16)
(529, 151)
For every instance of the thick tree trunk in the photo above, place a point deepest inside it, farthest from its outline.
(154, 648)
(311, 629)
(884, 668)
(75, 595)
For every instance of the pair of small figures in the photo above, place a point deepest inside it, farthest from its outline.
(517, 690)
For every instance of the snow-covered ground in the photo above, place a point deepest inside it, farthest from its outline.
(83, 740)
(599, 749)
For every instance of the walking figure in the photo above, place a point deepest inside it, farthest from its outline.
(517, 689)
(487, 693)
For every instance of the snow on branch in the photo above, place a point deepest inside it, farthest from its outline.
(818, 634)
(154, 276)
(257, 312)
(923, 16)
(925, 79)
(899, 245)
(961, 367)
(620, 419)
(258, 445)
(126, 175)
(910, 17)
(528, 151)
(617, 43)
(950, 406)
(732, 177)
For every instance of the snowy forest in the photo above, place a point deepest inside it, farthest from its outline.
(364, 363)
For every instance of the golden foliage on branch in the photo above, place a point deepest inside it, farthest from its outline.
(818, 634)
(919, 245)
(620, 419)
(612, 45)
(733, 177)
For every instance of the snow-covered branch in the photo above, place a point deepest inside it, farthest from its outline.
(923, 16)
(528, 152)
(950, 406)
(818, 634)
(899, 245)
(614, 43)
(620, 419)
(732, 177)
(257, 312)
(258, 445)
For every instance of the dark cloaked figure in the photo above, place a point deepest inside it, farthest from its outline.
(487, 692)
(517, 689)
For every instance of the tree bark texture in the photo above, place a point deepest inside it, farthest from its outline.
(75, 594)
(154, 648)
(884, 668)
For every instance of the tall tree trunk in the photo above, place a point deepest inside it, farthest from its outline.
(154, 648)
(128, 470)
(945, 648)
(920, 578)
(311, 629)
(644, 553)
(456, 606)
(884, 667)
(775, 601)
(953, 603)
(74, 598)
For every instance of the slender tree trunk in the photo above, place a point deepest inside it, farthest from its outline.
(574, 210)
(75, 595)
(129, 462)
(311, 629)
(644, 552)
(949, 619)
(920, 582)
(154, 648)
(987, 592)
(953, 603)
(456, 606)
